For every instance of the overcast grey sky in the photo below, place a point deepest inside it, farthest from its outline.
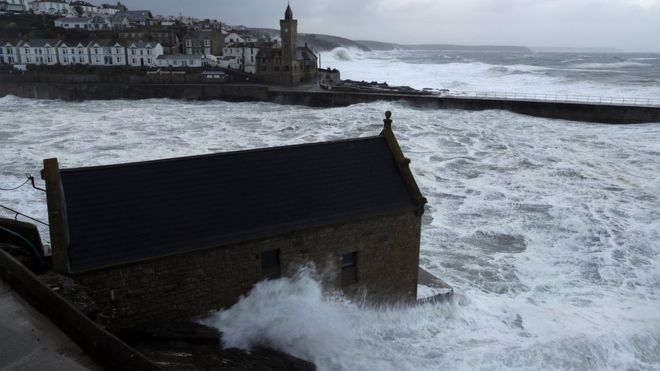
(632, 25)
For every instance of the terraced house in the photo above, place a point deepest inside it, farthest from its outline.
(39, 51)
(9, 52)
(143, 54)
(73, 52)
(107, 53)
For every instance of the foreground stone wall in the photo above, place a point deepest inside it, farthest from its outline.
(191, 284)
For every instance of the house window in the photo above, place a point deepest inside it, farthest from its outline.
(270, 264)
(349, 268)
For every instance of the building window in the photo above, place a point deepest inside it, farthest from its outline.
(270, 264)
(349, 268)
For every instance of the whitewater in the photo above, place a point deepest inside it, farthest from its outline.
(548, 230)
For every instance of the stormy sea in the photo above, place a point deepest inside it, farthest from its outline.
(548, 230)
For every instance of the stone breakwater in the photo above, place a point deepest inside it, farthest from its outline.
(78, 88)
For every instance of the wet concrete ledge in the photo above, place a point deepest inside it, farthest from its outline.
(79, 91)
(176, 346)
(106, 349)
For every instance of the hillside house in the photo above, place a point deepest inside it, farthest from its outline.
(180, 237)
(203, 42)
(167, 38)
(9, 52)
(111, 10)
(83, 8)
(95, 23)
(39, 51)
(13, 6)
(107, 53)
(180, 60)
(136, 18)
(51, 7)
(234, 38)
(246, 54)
(73, 52)
(143, 54)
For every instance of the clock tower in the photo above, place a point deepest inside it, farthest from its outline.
(289, 34)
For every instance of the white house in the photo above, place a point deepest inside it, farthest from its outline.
(39, 51)
(14, 6)
(143, 54)
(136, 17)
(229, 62)
(181, 60)
(109, 9)
(95, 23)
(50, 7)
(107, 53)
(73, 52)
(246, 54)
(120, 23)
(233, 38)
(9, 52)
(83, 8)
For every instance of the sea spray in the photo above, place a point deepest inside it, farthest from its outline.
(581, 291)
(298, 316)
(292, 315)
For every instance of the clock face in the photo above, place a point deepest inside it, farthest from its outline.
(286, 30)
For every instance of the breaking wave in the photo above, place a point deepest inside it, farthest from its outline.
(421, 70)
(610, 65)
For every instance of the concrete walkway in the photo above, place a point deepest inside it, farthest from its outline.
(29, 341)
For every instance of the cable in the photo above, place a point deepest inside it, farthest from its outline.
(30, 179)
(15, 188)
(27, 216)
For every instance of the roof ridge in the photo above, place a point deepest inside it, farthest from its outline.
(216, 154)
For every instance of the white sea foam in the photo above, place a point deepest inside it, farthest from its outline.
(483, 77)
(548, 230)
(610, 65)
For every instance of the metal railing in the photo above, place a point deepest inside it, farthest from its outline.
(630, 101)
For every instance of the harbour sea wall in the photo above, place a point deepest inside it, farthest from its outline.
(108, 86)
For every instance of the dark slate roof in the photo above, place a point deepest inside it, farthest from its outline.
(130, 212)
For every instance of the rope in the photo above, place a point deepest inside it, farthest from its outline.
(30, 178)
(15, 188)
(27, 216)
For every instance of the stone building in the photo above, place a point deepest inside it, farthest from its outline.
(180, 237)
(166, 37)
(290, 64)
(203, 42)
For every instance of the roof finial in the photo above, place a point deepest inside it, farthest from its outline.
(388, 121)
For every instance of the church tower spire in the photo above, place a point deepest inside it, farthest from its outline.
(288, 14)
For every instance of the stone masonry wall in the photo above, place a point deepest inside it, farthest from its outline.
(195, 283)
